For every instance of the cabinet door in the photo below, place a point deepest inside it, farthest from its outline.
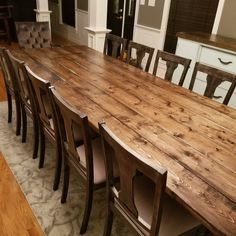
(189, 15)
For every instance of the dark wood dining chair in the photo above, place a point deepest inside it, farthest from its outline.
(114, 46)
(11, 88)
(84, 153)
(214, 78)
(33, 34)
(139, 50)
(5, 17)
(172, 62)
(27, 107)
(40, 95)
(139, 195)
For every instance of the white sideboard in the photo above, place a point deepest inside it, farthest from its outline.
(212, 50)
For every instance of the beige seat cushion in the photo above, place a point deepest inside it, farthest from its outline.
(98, 160)
(175, 218)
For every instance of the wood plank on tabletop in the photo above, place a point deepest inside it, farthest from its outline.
(122, 70)
(173, 110)
(136, 102)
(16, 216)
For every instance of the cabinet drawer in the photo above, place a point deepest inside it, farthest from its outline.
(219, 59)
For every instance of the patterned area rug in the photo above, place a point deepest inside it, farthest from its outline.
(56, 219)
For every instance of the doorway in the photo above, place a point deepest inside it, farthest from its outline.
(120, 17)
(68, 12)
(189, 15)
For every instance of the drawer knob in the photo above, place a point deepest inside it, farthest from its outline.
(224, 62)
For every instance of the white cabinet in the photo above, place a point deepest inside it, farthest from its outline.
(210, 55)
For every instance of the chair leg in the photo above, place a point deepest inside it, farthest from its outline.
(9, 101)
(24, 124)
(18, 116)
(58, 165)
(109, 222)
(87, 210)
(65, 182)
(42, 148)
(36, 137)
(7, 28)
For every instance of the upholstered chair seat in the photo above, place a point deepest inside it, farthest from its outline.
(33, 34)
(175, 219)
(98, 160)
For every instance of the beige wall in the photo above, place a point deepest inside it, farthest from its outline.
(227, 25)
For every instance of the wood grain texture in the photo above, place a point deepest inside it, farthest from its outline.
(210, 39)
(3, 94)
(16, 216)
(190, 135)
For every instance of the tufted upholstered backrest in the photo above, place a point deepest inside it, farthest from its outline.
(33, 34)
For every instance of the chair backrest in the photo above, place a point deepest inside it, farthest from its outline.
(39, 95)
(6, 12)
(114, 46)
(131, 165)
(5, 68)
(172, 62)
(13, 85)
(33, 34)
(214, 78)
(72, 123)
(18, 68)
(141, 50)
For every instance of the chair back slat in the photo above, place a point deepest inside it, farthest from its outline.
(214, 78)
(33, 34)
(131, 165)
(172, 62)
(70, 121)
(114, 46)
(141, 51)
(5, 68)
(39, 92)
(18, 67)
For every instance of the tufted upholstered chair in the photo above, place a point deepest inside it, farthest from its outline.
(33, 34)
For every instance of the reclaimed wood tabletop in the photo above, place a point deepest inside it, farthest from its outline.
(190, 135)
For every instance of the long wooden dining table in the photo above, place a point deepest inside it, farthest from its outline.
(190, 135)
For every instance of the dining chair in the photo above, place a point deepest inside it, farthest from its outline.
(27, 107)
(139, 195)
(11, 88)
(139, 50)
(85, 156)
(214, 78)
(5, 17)
(33, 34)
(40, 95)
(172, 62)
(114, 46)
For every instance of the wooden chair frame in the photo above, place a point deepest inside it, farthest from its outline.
(130, 165)
(118, 46)
(172, 62)
(40, 96)
(27, 108)
(141, 50)
(11, 88)
(67, 117)
(214, 78)
(8, 15)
